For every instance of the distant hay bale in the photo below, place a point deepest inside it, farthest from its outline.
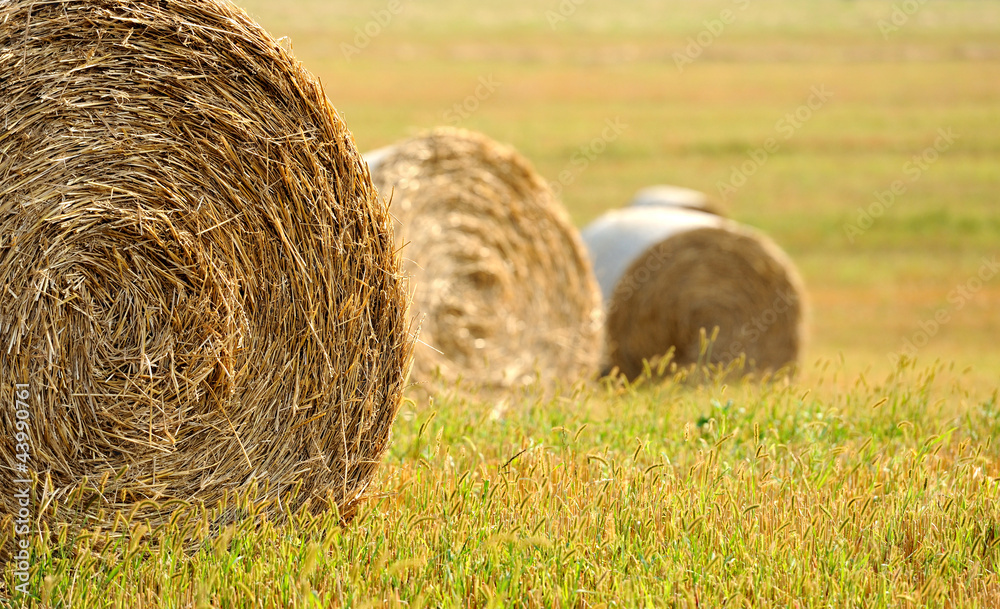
(199, 281)
(666, 274)
(502, 285)
(374, 158)
(674, 196)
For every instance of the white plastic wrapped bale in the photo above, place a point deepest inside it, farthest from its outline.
(668, 273)
(620, 236)
(375, 157)
(663, 195)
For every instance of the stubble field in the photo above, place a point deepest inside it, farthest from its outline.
(863, 481)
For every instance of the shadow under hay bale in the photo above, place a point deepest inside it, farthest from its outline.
(668, 275)
(674, 197)
(200, 286)
(502, 286)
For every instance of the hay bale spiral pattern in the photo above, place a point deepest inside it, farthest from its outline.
(502, 284)
(669, 274)
(198, 276)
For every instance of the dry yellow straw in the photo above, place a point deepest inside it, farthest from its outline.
(198, 278)
(501, 279)
(670, 274)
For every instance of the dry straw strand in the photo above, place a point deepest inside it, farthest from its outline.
(503, 288)
(200, 285)
(671, 276)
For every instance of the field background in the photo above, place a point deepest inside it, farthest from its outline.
(856, 484)
(560, 81)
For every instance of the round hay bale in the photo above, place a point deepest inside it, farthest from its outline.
(674, 196)
(200, 288)
(502, 285)
(667, 274)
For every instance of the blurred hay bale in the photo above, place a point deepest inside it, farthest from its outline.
(502, 286)
(667, 274)
(199, 281)
(374, 158)
(663, 195)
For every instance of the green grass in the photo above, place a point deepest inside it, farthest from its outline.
(871, 492)
(857, 484)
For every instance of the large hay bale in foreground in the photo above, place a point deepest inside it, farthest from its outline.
(200, 289)
(666, 274)
(502, 285)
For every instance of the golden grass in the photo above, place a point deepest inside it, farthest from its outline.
(853, 485)
(876, 492)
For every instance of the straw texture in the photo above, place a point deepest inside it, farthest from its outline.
(670, 274)
(502, 285)
(199, 281)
